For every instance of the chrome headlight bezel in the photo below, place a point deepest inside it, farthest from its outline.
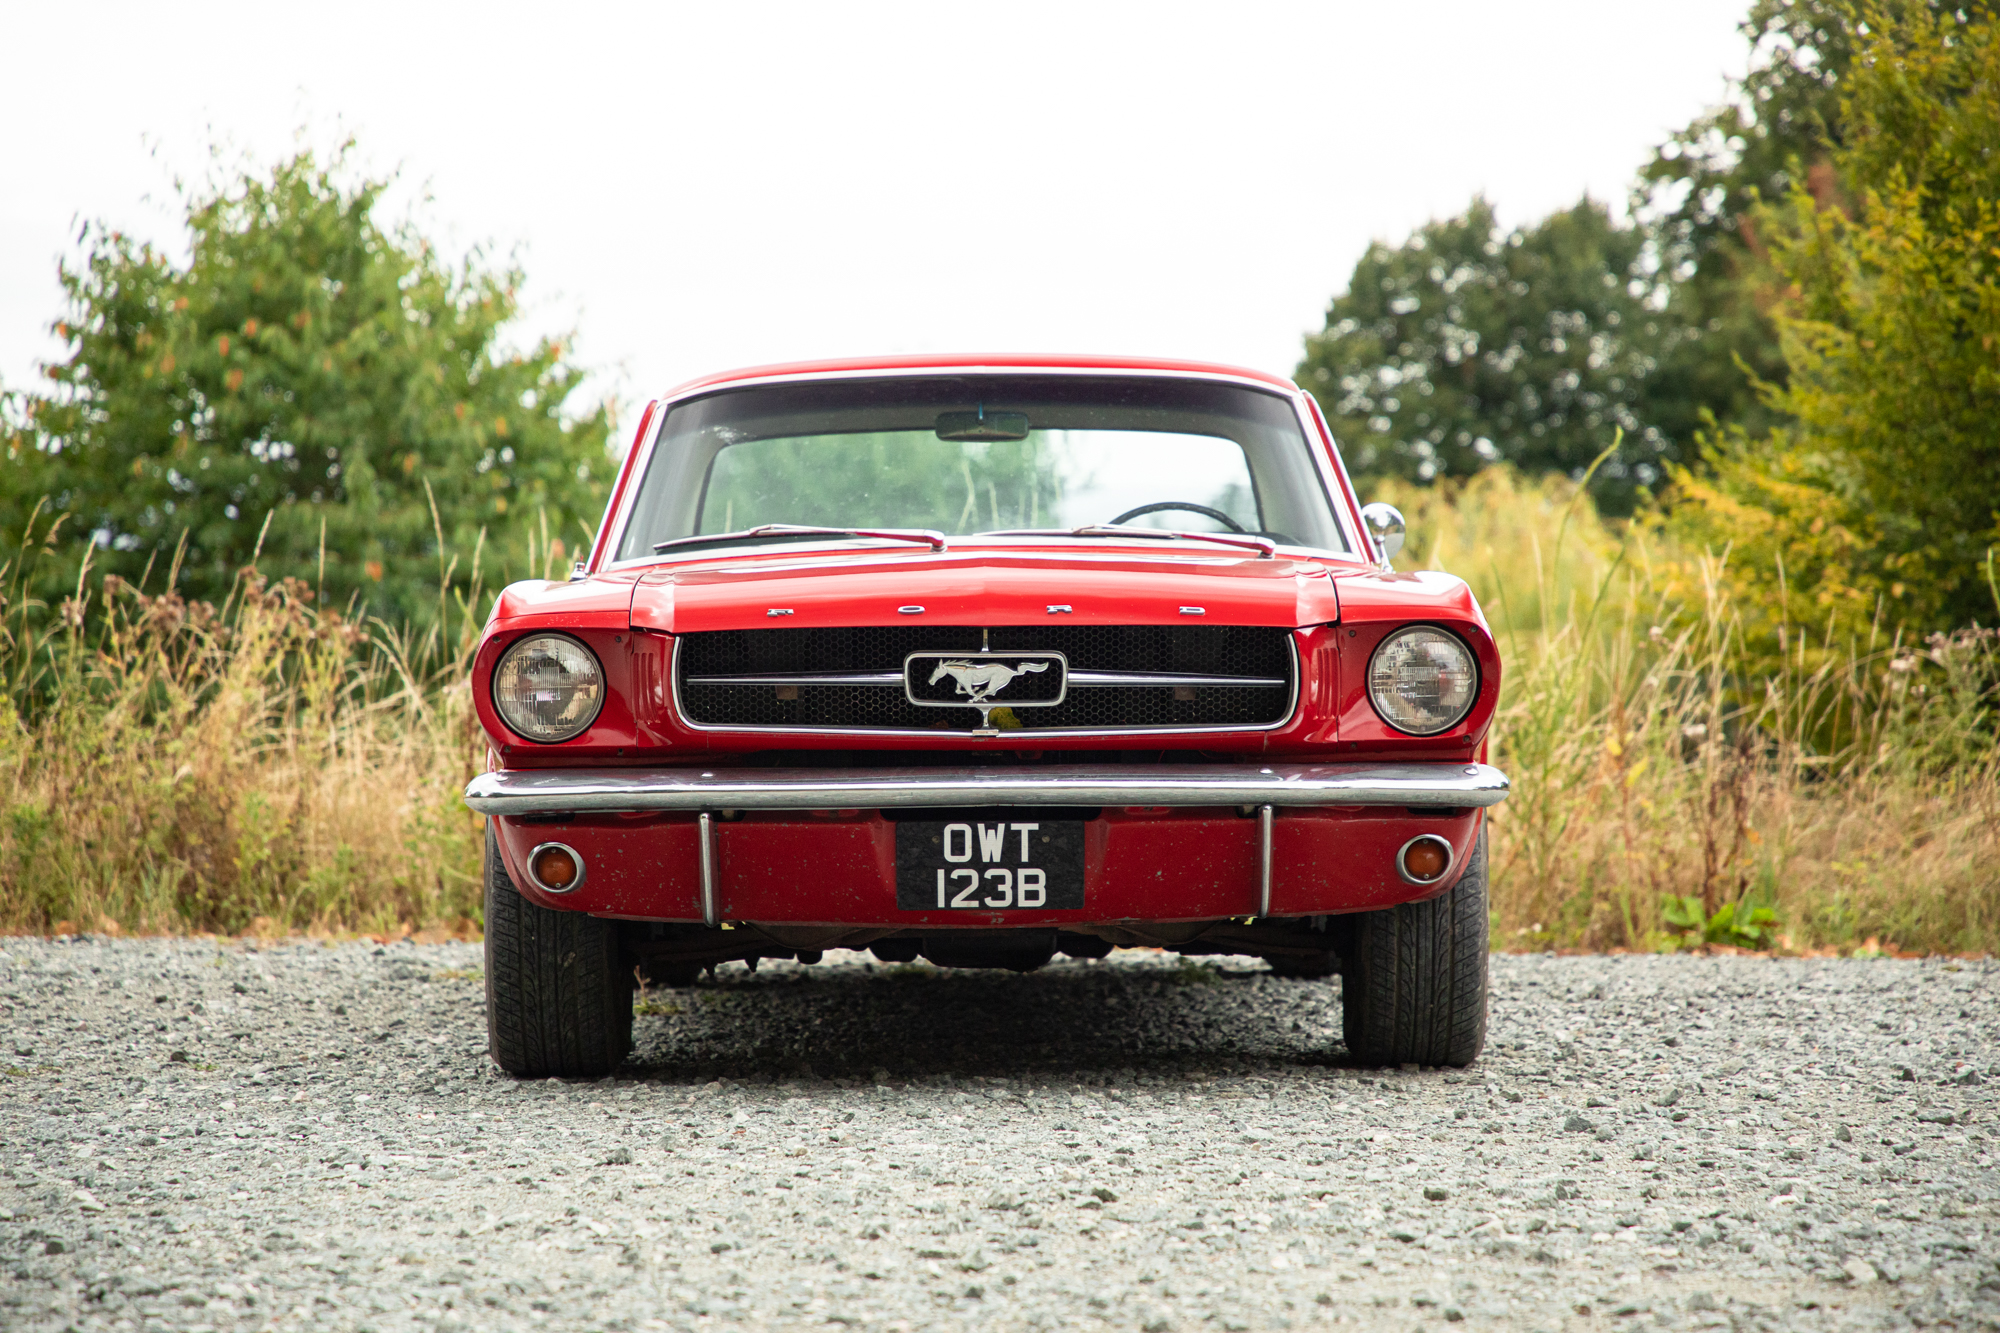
(1398, 713)
(519, 722)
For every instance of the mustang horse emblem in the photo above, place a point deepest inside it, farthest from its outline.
(983, 680)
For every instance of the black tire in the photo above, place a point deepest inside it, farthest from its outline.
(1306, 967)
(558, 999)
(1413, 982)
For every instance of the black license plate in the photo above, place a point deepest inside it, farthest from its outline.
(987, 865)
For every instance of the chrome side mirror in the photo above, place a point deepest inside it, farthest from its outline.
(1385, 525)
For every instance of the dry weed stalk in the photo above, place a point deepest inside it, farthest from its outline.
(167, 766)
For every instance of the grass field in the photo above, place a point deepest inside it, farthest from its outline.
(1673, 783)
(269, 765)
(263, 765)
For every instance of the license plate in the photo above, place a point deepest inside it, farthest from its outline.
(989, 865)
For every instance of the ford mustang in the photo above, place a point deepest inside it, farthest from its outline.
(984, 660)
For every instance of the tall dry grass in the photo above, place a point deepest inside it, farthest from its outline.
(1674, 784)
(169, 766)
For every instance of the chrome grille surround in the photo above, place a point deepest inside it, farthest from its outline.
(1264, 659)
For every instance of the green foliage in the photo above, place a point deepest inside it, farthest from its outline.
(893, 478)
(1656, 753)
(1736, 924)
(1467, 345)
(1891, 329)
(309, 384)
(1801, 332)
(1780, 124)
(168, 766)
(1464, 347)
(1699, 193)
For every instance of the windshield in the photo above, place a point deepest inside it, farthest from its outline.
(966, 455)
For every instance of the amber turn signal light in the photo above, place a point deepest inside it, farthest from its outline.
(1424, 859)
(555, 868)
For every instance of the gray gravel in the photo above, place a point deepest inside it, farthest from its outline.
(204, 1135)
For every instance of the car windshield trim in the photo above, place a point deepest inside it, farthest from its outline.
(1323, 480)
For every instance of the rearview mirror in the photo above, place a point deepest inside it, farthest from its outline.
(982, 425)
(1385, 525)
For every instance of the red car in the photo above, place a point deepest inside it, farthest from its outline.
(986, 659)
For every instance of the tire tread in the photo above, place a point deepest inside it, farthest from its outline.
(558, 1004)
(1414, 982)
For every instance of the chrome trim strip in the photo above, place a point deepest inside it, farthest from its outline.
(1078, 680)
(1330, 463)
(1240, 728)
(710, 913)
(1141, 680)
(583, 790)
(891, 679)
(1450, 861)
(1263, 860)
(628, 498)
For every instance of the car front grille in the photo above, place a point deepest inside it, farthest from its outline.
(1206, 651)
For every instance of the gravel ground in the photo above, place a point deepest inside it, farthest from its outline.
(203, 1135)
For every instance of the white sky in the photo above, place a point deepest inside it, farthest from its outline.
(699, 186)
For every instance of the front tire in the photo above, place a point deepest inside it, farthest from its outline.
(558, 1000)
(1413, 982)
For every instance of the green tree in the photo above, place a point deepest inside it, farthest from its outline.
(1468, 345)
(310, 380)
(1891, 333)
(1698, 195)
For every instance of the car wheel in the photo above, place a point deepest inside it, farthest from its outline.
(1413, 982)
(558, 1002)
(1306, 967)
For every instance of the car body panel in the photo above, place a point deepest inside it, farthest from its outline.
(932, 362)
(838, 867)
(1373, 605)
(984, 586)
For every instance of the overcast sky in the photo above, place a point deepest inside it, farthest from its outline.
(695, 187)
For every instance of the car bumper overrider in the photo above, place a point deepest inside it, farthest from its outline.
(818, 846)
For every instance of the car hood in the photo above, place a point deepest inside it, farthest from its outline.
(984, 588)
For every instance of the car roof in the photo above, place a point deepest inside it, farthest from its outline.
(979, 361)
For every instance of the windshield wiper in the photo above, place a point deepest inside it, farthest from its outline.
(798, 532)
(1266, 548)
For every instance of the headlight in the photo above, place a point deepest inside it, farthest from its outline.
(1422, 680)
(548, 687)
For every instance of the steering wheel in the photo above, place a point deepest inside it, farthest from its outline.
(1216, 514)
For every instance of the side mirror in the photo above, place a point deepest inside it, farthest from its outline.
(1385, 525)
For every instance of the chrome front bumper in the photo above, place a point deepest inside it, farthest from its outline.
(581, 790)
